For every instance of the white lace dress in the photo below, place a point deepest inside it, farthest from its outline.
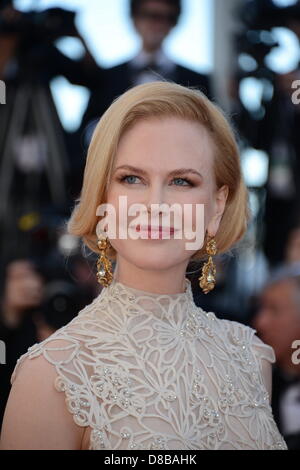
(152, 371)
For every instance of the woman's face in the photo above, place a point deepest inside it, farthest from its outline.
(156, 149)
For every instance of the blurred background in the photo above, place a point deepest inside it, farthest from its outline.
(62, 62)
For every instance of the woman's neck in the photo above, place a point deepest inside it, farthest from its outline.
(158, 281)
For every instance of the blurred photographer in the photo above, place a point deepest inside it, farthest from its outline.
(153, 21)
(22, 295)
(277, 321)
(40, 163)
(28, 50)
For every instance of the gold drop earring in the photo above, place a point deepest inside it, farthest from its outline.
(104, 267)
(208, 277)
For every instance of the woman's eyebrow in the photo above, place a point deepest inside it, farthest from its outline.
(179, 171)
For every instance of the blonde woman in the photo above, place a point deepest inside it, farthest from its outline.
(142, 367)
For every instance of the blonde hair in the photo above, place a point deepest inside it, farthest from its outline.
(161, 99)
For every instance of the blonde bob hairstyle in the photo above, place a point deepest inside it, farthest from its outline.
(158, 100)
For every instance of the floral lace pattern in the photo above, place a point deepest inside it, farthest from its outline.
(154, 371)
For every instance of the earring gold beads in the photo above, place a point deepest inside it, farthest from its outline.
(208, 277)
(104, 267)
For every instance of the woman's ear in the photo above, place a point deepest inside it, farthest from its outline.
(219, 207)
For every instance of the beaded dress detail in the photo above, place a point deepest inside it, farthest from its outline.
(154, 371)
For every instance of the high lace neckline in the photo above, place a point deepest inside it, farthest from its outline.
(163, 306)
(132, 291)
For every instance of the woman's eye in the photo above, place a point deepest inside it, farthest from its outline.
(132, 179)
(129, 179)
(180, 180)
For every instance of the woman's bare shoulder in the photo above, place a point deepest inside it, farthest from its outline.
(36, 416)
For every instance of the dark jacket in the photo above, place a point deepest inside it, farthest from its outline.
(120, 78)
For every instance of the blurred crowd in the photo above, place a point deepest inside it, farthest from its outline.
(46, 276)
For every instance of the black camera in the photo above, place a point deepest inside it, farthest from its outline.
(47, 25)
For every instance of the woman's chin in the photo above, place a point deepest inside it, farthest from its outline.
(154, 261)
(152, 256)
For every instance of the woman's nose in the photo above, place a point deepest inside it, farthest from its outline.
(154, 198)
(158, 206)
